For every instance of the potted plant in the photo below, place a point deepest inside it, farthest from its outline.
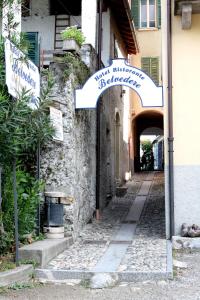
(73, 38)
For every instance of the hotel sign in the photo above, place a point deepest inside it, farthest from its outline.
(119, 73)
(21, 74)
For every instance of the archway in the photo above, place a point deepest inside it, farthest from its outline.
(119, 73)
(149, 122)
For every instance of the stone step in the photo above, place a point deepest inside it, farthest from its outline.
(43, 251)
(61, 276)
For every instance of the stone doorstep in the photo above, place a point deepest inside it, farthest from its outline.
(43, 251)
(20, 274)
(52, 276)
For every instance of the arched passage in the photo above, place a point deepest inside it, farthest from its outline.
(148, 122)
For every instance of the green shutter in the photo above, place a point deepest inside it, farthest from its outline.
(135, 10)
(155, 69)
(159, 13)
(33, 51)
(145, 65)
(150, 65)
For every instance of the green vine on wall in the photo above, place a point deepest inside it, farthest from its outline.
(75, 66)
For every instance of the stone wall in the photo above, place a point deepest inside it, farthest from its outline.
(70, 166)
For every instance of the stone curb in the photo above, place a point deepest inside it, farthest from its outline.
(22, 273)
(169, 257)
(46, 275)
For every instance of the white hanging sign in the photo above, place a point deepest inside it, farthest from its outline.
(119, 73)
(57, 121)
(21, 74)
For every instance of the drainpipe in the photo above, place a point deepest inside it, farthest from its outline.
(98, 146)
(170, 120)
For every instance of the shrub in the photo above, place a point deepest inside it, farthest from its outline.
(28, 189)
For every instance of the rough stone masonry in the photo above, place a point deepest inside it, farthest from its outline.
(70, 166)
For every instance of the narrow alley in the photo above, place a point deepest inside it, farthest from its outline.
(129, 240)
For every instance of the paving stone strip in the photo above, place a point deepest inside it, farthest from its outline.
(125, 233)
(113, 256)
(144, 190)
(136, 209)
(111, 259)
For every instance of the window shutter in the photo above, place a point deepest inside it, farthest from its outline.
(135, 10)
(155, 70)
(145, 65)
(159, 13)
(33, 51)
(150, 65)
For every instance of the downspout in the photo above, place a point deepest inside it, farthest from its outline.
(170, 120)
(98, 146)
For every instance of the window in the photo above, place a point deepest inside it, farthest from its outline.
(33, 51)
(25, 8)
(146, 13)
(150, 65)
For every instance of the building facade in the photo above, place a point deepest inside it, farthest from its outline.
(180, 72)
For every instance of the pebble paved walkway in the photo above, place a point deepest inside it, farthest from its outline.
(130, 237)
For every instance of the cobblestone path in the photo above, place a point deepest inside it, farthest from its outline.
(130, 237)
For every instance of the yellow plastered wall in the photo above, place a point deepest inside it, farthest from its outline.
(149, 46)
(186, 91)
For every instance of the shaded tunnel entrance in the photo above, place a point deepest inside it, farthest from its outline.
(148, 123)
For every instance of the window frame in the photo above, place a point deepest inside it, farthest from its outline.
(148, 15)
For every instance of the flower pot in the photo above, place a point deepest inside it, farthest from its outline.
(71, 45)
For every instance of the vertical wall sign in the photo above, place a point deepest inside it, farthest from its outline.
(57, 121)
(21, 74)
(119, 73)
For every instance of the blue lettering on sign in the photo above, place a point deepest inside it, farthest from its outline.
(21, 73)
(103, 83)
